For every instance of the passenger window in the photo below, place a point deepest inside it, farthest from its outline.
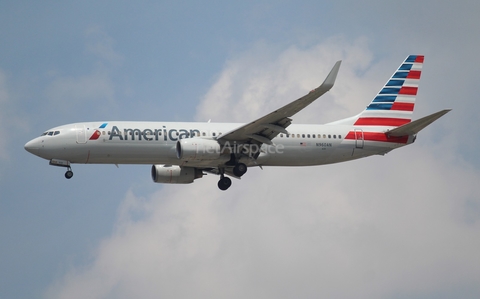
(281, 135)
(103, 132)
(324, 136)
(298, 135)
(287, 135)
(293, 135)
(308, 136)
(334, 136)
(303, 135)
(213, 134)
(339, 136)
(313, 135)
(203, 133)
(329, 136)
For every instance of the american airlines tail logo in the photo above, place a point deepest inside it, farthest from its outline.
(393, 106)
(97, 133)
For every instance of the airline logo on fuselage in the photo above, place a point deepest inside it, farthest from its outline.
(162, 134)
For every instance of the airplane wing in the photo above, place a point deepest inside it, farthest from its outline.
(264, 129)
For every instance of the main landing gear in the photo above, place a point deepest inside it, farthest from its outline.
(239, 169)
(69, 173)
(225, 182)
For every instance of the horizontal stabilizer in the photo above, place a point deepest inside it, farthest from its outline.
(416, 126)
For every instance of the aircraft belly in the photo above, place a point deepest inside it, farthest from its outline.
(303, 155)
(292, 154)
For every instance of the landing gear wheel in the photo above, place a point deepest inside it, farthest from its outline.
(224, 183)
(68, 174)
(239, 169)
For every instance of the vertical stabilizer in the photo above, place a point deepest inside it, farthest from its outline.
(394, 103)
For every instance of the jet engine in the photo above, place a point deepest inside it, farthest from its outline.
(173, 174)
(197, 149)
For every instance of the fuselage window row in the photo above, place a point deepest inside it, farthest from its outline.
(312, 136)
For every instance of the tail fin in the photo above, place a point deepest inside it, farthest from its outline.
(394, 103)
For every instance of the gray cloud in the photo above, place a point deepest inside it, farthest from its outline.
(381, 227)
(97, 86)
(100, 44)
(258, 81)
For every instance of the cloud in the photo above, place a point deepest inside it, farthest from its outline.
(258, 81)
(98, 83)
(100, 44)
(403, 225)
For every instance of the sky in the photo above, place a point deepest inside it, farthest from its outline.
(404, 225)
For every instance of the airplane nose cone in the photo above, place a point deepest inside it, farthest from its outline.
(32, 147)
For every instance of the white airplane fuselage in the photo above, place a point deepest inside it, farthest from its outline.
(154, 143)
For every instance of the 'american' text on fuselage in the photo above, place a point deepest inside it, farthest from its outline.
(153, 134)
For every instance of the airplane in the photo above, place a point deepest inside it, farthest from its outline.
(181, 152)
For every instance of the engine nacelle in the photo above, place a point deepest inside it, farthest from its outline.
(197, 149)
(173, 174)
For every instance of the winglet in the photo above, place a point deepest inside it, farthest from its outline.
(330, 80)
(325, 86)
(416, 126)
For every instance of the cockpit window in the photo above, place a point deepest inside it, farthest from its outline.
(51, 133)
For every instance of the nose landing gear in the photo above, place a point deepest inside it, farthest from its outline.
(63, 163)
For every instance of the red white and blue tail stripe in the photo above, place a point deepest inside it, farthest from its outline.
(393, 105)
